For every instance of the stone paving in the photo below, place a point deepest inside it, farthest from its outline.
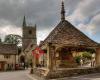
(95, 76)
(24, 75)
(15, 75)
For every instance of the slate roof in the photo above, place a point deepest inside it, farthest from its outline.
(66, 33)
(8, 49)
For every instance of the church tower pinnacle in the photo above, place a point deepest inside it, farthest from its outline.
(62, 11)
(24, 22)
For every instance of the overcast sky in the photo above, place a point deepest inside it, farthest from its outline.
(84, 14)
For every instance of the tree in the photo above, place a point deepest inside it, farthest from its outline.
(13, 39)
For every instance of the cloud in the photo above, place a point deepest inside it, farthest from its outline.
(95, 22)
(85, 11)
(86, 17)
(9, 29)
(41, 35)
(84, 14)
(35, 11)
(87, 29)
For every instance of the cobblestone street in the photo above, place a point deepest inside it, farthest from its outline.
(15, 75)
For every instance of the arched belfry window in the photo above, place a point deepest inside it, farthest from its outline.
(30, 31)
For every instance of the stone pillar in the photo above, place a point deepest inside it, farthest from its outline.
(34, 62)
(33, 65)
(97, 56)
(15, 63)
(50, 56)
(52, 51)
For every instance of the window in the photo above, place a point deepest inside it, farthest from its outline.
(30, 31)
(7, 56)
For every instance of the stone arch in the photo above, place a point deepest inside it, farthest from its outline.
(22, 59)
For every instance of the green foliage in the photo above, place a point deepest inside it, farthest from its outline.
(87, 55)
(77, 59)
(13, 39)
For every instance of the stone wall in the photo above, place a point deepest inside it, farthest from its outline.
(11, 61)
(66, 72)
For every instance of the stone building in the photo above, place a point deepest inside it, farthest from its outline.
(8, 56)
(29, 35)
(29, 41)
(62, 44)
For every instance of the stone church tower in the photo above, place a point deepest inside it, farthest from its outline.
(29, 35)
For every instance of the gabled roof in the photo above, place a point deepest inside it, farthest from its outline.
(66, 33)
(8, 49)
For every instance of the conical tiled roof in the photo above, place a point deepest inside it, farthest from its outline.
(66, 33)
